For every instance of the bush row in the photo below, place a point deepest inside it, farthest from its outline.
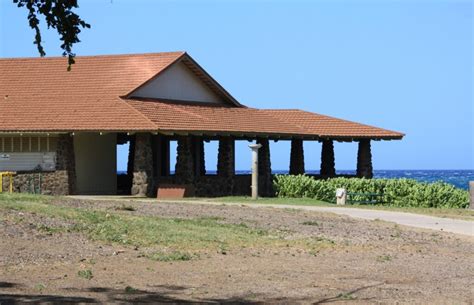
(396, 192)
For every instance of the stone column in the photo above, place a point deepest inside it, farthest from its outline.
(265, 183)
(131, 159)
(184, 169)
(364, 160)
(327, 159)
(164, 156)
(198, 156)
(65, 174)
(226, 164)
(143, 166)
(297, 157)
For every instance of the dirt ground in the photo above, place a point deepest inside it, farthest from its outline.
(371, 262)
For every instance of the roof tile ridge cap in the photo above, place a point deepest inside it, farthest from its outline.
(95, 56)
(353, 122)
(138, 112)
(282, 120)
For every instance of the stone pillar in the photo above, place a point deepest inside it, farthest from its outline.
(198, 156)
(297, 157)
(226, 164)
(143, 166)
(328, 168)
(65, 174)
(265, 183)
(131, 159)
(364, 160)
(164, 156)
(184, 169)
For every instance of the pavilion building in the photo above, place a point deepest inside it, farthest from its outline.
(59, 130)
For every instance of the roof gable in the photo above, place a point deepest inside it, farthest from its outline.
(178, 82)
(206, 88)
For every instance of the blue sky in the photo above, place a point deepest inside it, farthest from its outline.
(402, 65)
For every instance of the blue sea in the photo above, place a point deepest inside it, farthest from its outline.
(458, 178)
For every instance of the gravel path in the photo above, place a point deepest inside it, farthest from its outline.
(406, 219)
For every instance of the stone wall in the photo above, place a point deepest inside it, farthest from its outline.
(62, 181)
(213, 185)
(48, 183)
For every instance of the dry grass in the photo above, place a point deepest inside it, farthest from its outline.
(179, 235)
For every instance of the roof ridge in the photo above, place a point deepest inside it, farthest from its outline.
(138, 112)
(95, 56)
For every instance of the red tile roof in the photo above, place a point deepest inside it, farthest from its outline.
(39, 95)
(186, 117)
(326, 126)
(175, 116)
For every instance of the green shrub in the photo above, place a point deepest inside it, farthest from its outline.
(86, 274)
(396, 192)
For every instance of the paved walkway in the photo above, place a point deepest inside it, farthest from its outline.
(407, 219)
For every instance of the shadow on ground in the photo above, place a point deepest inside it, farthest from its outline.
(108, 295)
(130, 295)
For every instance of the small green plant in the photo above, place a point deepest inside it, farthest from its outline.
(130, 289)
(170, 257)
(47, 229)
(346, 296)
(223, 248)
(321, 239)
(85, 274)
(40, 287)
(310, 223)
(384, 258)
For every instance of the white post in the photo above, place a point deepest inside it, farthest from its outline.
(255, 148)
(341, 196)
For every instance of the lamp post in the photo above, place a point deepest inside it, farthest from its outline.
(255, 148)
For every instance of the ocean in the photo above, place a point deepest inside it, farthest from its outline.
(458, 178)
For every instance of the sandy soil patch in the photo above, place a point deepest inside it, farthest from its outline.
(365, 262)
